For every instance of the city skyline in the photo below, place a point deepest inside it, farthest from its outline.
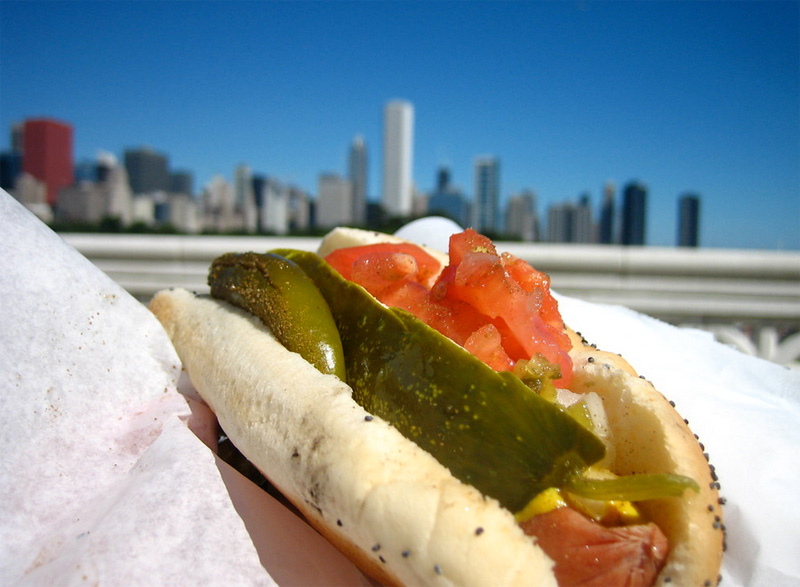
(145, 193)
(342, 199)
(697, 97)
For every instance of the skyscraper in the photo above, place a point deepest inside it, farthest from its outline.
(688, 220)
(357, 174)
(47, 154)
(634, 214)
(334, 200)
(398, 157)
(244, 197)
(148, 170)
(443, 179)
(447, 200)
(487, 193)
(10, 168)
(522, 220)
(561, 222)
(606, 232)
(181, 182)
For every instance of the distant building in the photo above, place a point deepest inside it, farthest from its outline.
(560, 222)
(144, 209)
(32, 194)
(689, 220)
(583, 230)
(443, 179)
(398, 158)
(334, 201)
(184, 212)
(419, 202)
(86, 170)
(117, 195)
(607, 212)
(259, 194)
(244, 198)
(486, 199)
(357, 173)
(274, 210)
(148, 171)
(453, 205)
(108, 196)
(522, 219)
(181, 182)
(18, 137)
(571, 223)
(634, 214)
(11, 161)
(47, 154)
(448, 200)
(219, 211)
(300, 204)
(272, 201)
(10, 169)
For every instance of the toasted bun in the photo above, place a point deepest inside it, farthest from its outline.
(386, 503)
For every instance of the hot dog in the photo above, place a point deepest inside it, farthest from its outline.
(401, 514)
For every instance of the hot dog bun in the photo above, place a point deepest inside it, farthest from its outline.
(386, 503)
(399, 514)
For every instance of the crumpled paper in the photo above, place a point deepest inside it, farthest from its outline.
(101, 479)
(104, 477)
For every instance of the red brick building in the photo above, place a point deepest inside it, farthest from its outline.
(47, 154)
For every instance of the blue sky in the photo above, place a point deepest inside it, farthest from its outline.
(679, 95)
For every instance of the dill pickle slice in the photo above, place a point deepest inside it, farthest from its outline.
(488, 428)
(280, 293)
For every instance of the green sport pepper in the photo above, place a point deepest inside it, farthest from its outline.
(280, 293)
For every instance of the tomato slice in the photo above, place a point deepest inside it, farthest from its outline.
(498, 307)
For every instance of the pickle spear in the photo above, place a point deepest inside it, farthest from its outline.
(488, 428)
(280, 293)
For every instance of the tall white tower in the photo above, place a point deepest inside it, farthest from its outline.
(398, 157)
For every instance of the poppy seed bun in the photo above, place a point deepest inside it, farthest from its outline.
(382, 500)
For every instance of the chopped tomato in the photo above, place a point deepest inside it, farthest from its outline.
(486, 343)
(469, 241)
(496, 306)
(428, 266)
(588, 554)
(377, 271)
(531, 281)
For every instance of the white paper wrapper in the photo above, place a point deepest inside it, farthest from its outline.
(102, 481)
